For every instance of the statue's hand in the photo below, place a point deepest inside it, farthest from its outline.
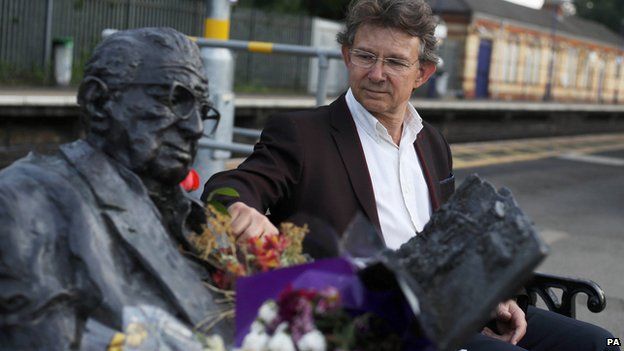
(510, 322)
(247, 222)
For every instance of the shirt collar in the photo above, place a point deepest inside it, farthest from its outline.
(365, 120)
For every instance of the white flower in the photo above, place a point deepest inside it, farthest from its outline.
(280, 341)
(281, 328)
(255, 341)
(268, 312)
(214, 343)
(257, 327)
(312, 341)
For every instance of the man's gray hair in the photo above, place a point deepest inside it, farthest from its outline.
(413, 17)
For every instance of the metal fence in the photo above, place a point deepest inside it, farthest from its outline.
(23, 26)
(253, 71)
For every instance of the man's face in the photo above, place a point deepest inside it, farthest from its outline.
(381, 90)
(153, 129)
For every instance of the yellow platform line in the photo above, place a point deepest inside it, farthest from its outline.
(469, 155)
(490, 153)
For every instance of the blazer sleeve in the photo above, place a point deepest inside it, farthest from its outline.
(270, 173)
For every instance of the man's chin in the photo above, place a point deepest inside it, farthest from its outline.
(373, 106)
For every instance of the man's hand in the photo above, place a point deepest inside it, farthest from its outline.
(247, 222)
(510, 321)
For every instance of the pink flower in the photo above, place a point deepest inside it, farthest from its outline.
(191, 182)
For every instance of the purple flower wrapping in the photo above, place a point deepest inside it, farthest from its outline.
(388, 302)
(252, 291)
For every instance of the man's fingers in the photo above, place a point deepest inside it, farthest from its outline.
(488, 332)
(516, 337)
(519, 321)
(252, 231)
(241, 223)
(247, 222)
(504, 315)
(235, 210)
(268, 228)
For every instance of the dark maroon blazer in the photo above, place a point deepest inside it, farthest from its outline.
(312, 162)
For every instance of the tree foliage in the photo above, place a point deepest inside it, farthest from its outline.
(331, 9)
(608, 12)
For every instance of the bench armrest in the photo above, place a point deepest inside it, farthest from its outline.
(543, 285)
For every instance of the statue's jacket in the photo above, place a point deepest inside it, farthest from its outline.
(81, 238)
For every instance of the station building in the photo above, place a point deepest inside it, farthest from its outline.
(503, 51)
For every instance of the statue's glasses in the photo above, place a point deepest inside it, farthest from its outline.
(183, 102)
(393, 66)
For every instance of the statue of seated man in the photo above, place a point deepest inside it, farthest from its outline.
(99, 225)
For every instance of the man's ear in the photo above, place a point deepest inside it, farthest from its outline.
(425, 70)
(345, 55)
(93, 95)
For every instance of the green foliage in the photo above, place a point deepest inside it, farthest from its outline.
(332, 9)
(11, 74)
(608, 12)
(226, 191)
(258, 88)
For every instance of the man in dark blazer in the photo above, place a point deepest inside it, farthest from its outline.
(99, 225)
(312, 162)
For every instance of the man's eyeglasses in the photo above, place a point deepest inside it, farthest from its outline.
(365, 59)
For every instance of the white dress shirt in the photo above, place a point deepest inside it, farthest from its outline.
(401, 192)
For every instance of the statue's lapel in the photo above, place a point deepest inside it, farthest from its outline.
(126, 206)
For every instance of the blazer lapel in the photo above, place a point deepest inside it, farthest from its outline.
(125, 203)
(348, 142)
(423, 150)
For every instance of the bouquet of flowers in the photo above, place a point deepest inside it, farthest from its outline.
(315, 320)
(323, 305)
(231, 258)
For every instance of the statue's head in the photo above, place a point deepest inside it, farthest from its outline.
(144, 98)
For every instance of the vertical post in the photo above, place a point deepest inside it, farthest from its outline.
(551, 63)
(321, 85)
(219, 68)
(619, 61)
(47, 44)
(129, 14)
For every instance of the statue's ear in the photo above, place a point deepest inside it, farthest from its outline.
(93, 95)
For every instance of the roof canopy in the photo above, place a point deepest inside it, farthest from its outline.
(573, 25)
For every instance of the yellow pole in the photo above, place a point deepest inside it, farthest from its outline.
(217, 21)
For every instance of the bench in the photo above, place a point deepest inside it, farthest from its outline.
(546, 285)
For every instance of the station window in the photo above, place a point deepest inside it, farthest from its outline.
(532, 65)
(584, 78)
(512, 62)
(568, 78)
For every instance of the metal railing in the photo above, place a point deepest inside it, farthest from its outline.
(323, 54)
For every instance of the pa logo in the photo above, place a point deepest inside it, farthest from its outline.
(613, 342)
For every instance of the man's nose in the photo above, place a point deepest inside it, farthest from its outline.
(193, 126)
(376, 73)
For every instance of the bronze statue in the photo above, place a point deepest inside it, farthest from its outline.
(99, 225)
